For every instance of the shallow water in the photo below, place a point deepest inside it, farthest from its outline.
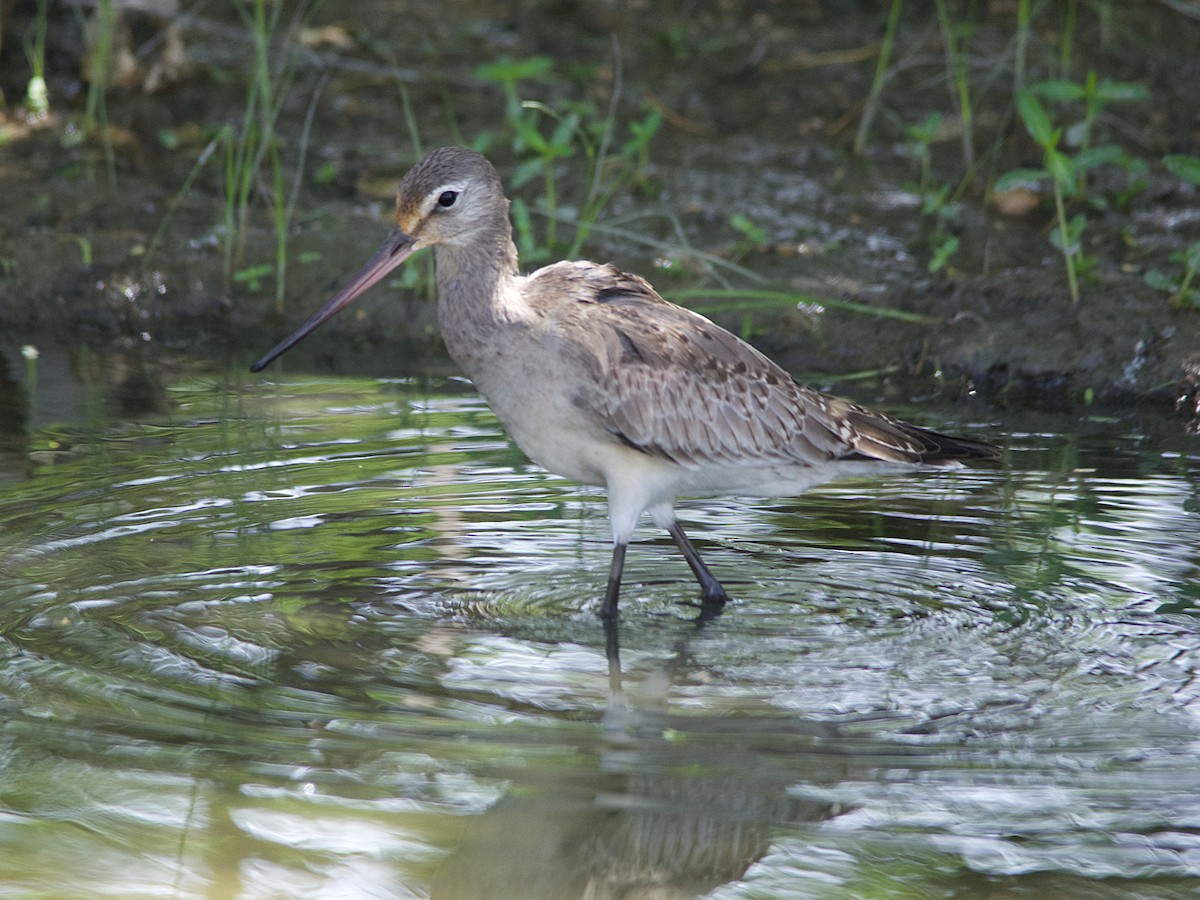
(333, 637)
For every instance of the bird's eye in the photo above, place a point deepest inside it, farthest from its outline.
(447, 198)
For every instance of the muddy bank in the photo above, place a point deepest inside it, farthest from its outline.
(759, 108)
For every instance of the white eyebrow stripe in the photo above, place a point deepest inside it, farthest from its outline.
(432, 197)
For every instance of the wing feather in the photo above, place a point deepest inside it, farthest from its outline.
(673, 384)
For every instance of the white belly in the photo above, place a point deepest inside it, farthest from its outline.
(557, 437)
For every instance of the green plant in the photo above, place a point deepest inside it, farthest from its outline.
(1094, 94)
(327, 173)
(542, 151)
(37, 98)
(249, 145)
(537, 151)
(937, 203)
(255, 145)
(84, 245)
(1068, 156)
(954, 39)
(753, 236)
(508, 72)
(677, 42)
(246, 150)
(613, 172)
(221, 139)
(103, 45)
(945, 247)
(923, 135)
(1060, 169)
(880, 79)
(1179, 285)
(544, 135)
(252, 276)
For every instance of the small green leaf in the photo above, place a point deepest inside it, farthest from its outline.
(508, 71)
(1033, 114)
(1120, 91)
(1021, 178)
(1073, 237)
(942, 254)
(1158, 280)
(326, 173)
(1134, 165)
(560, 140)
(527, 171)
(1058, 89)
(753, 233)
(643, 131)
(1076, 134)
(529, 136)
(1191, 256)
(1061, 168)
(252, 276)
(1184, 167)
(926, 131)
(1098, 156)
(482, 142)
(935, 200)
(1076, 225)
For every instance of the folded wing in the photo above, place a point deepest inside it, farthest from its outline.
(672, 384)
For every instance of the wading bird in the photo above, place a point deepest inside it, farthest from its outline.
(599, 379)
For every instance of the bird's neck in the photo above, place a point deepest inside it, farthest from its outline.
(478, 295)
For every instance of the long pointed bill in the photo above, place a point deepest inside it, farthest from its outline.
(395, 249)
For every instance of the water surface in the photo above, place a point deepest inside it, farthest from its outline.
(337, 637)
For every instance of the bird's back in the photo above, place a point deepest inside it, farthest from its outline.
(672, 384)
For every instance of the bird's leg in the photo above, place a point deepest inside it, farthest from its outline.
(609, 609)
(710, 589)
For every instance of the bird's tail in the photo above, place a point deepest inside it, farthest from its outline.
(936, 449)
(882, 438)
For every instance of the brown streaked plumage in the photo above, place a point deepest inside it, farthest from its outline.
(599, 379)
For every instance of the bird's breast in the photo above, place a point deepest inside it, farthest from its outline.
(552, 431)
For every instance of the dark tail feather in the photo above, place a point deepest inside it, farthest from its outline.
(941, 449)
(882, 438)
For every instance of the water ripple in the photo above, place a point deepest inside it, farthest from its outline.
(360, 643)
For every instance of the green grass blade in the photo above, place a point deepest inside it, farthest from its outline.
(759, 299)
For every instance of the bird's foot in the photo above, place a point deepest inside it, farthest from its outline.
(711, 590)
(710, 608)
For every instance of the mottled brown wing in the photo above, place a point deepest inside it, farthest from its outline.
(673, 384)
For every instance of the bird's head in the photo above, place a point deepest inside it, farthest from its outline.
(450, 198)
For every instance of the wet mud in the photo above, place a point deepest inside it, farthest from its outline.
(760, 104)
